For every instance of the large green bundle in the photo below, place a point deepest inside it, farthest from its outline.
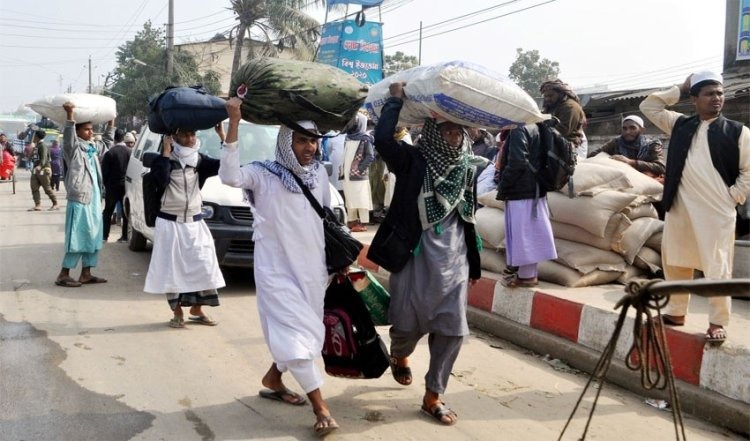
(278, 90)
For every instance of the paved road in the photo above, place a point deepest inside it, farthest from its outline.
(99, 363)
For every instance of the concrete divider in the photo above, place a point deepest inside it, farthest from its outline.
(575, 324)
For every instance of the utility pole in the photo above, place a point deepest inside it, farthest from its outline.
(419, 59)
(170, 40)
(90, 74)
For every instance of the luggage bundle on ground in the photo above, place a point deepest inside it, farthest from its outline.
(89, 107)
(188, 108)
(458, 91)
(610, 231)
(277, 91)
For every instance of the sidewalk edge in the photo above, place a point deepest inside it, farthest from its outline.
(703, 403)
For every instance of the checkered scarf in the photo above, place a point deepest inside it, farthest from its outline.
(449, 181)
(286, 162)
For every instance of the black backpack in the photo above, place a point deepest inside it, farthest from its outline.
(556, 166)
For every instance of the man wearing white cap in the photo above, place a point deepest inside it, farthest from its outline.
(707, 176)
(636, 149)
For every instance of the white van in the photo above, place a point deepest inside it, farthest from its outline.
(228, 217)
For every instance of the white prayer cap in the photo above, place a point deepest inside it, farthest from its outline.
(308, 125)
(705, 75)
(636, 119)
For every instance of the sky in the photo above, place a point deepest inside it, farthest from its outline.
(45, 45)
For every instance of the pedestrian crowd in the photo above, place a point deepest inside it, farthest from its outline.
(422, 187)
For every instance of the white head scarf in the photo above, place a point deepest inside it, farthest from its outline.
(186, 156)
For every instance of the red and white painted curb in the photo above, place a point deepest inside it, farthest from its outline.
(724, 369)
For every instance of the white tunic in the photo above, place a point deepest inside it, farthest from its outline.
(356, 193)
(336, 156)
(183, 259)
(699, 227)
(289, 260)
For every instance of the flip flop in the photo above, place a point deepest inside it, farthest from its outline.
(68, 283)
(203, 320)
(440, 410)
(34, 209)
(93, 279)
(278, 395)
(54, 208)
(330, 425)
(177, 322)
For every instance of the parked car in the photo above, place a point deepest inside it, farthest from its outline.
(228, 217)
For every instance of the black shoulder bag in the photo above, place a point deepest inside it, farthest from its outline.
(342, 249)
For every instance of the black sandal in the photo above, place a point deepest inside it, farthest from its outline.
(402, 374)
(440, 410)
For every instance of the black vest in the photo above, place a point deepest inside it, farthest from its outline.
(723, 144)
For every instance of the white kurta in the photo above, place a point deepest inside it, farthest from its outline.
(336, 156)
(289, 260)
(356, 193)
(699, 227)
(183, 259)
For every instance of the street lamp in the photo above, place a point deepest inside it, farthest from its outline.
(137, 61)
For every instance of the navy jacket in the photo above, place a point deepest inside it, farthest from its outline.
(401, 230)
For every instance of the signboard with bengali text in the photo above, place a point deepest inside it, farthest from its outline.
(743, 31)
(354, 49)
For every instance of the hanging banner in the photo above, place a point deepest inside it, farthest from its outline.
(354, 49)
(365, 3)
(743, 31)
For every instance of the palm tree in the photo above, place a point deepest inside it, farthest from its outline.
(278, 24)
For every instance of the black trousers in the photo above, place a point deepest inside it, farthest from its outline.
(111, 197)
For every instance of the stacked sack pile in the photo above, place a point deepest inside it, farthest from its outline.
(608, 232)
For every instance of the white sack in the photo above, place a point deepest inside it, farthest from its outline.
(92, 108)
(649, 260)
(635, 237)
(654, 242)
(490, 224)
(590, 178)
(554, 272)
(488, 200)
(458, 91)
(617, 224)
(641, 184)
(585, 258)
(638, 210)
(492, 260)
(632, 272)
(592, 213)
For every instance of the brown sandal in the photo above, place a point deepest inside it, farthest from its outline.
(716, 334)
(513, 281)
(673, 320)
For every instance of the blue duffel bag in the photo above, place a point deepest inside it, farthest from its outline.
(189, 108)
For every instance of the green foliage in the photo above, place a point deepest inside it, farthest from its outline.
(133, 82)
(274, 26)
(530, 70)
(398, 62)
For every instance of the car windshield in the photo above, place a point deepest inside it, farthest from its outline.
(256, 142)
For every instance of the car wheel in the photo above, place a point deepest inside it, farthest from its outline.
(136, 240)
